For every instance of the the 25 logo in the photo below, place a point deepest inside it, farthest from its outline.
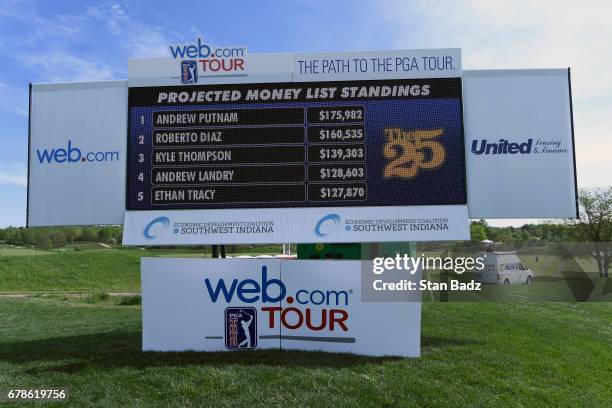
(408, 149)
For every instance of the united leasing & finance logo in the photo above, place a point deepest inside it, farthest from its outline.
(207, 60)
(530, 146)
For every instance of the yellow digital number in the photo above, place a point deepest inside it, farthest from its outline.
(406, 151)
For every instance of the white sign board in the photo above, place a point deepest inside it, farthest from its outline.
(235, 304)
(359, 65)
(77, 153)
(244, 226)
(78, 138)
(519, 144)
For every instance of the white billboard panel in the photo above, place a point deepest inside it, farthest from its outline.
(519, 144)
(77, 153)
(322, 224)
(370, 65)
(238, 304)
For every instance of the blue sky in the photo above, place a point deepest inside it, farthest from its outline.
(65, 41)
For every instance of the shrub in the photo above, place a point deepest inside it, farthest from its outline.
(97, 297)
(128, 300)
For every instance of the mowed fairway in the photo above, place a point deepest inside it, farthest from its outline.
(474, 354)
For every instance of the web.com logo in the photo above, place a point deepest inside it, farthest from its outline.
(71, 154)
(203, 50)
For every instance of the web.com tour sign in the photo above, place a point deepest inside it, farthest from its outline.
(241, 304)
(200, 59)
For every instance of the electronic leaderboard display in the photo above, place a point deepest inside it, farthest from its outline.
(272, 145)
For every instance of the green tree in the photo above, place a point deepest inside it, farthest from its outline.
(89, 234)
(478, 232)
(57, 238)
(106, 234)
(594, 225)
(43, 241)
(72, 234)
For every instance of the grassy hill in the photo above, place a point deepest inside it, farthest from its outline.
(84, 267)
(107, 269)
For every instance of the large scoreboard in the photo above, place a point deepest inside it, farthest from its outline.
(301, 147)
(312, 144)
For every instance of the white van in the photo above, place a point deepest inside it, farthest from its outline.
(503, 268)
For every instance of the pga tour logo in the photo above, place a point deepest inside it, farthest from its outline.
(240, 328)
(208, 60)
(189, 72)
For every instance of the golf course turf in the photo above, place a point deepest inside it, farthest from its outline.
(523, 353)
(473, 354)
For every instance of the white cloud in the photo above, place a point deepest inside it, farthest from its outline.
(138, 38)
(50, 43)
(13, 173)
(37, 29)
(47, 44)
(60, 66)
(517, 34)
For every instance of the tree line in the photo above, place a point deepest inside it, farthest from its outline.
(56, 237)
(593, 226)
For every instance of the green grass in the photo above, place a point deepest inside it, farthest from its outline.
(474, 354)
(102, 269)
(12, 250)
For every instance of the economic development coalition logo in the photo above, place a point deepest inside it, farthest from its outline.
(156, 227)
(71, 154)
(327, 224)
(208, 60)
